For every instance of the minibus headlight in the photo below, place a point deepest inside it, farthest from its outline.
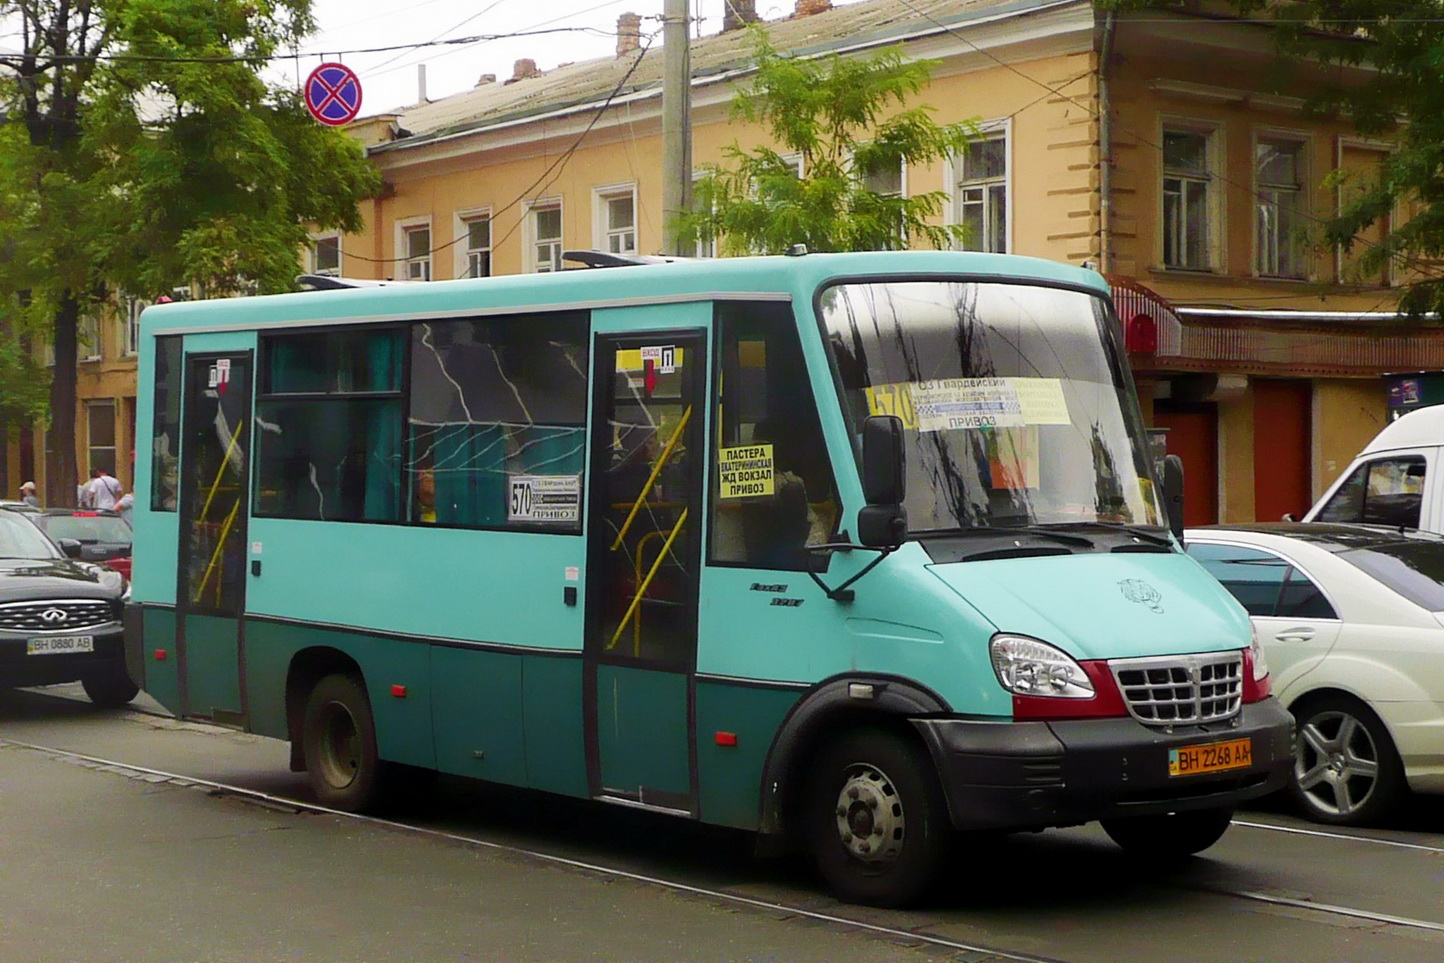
(1027, 667)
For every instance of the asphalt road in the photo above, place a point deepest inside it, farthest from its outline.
(101, 863)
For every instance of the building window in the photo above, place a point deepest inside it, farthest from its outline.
(100, 435)
(326, 255)
(886, 180)
(1279, 208)
(496, 422)
(616, 218)
(704, 247)
(130, 336)
(544, 224)
(1187, 203)
(477, 229)
(981, 194)
(87, 345)
(416, 245)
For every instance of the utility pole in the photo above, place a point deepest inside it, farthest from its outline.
(676, 120)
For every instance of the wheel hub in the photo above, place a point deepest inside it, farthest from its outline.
(870, 819)
(340, 746)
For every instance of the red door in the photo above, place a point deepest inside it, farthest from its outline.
(1193, 436)
(1282, 449)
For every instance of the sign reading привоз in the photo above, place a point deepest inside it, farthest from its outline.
(744, 471)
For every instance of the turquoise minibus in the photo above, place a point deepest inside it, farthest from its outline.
(859, 551)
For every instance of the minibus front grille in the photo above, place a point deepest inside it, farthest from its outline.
(1181, 689)
(63, 615)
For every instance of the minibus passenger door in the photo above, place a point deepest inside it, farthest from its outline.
(210, 597)
(644, 532)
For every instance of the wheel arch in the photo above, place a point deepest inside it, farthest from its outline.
(308, 667)
(831, 707)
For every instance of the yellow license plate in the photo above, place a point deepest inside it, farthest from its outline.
(1213, 757)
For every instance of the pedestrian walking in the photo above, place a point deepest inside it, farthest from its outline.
(27, 495)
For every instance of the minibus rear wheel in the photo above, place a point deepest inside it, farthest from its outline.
(1169, 835)
(338, 739)
(875, 818)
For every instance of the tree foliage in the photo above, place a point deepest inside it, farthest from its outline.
(1387, 56)
(843, 117)
(141, 150)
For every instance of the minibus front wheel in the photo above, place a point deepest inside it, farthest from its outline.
(875, 818)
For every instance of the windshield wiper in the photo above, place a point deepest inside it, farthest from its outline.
(1137, 531)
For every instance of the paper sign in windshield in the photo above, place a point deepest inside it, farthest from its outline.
(961, 403)
(745, 471)
(544, 498)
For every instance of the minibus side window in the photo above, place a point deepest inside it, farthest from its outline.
(329, 426)
(165, 433)
(773, 491)
(497, 417)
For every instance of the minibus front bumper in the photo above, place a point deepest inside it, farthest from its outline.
(1033, 775)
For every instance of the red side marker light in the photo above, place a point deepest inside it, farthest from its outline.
(160, 655)
(399, 691)
(726, 738)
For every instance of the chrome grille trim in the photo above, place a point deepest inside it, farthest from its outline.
(1181, 689)
(38, 616)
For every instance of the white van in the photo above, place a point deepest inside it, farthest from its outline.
(1395, 479)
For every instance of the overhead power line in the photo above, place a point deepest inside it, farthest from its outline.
(16, 60)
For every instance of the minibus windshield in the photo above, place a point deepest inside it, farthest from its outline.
(1016, 406)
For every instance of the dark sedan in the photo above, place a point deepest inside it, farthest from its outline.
(60, 619)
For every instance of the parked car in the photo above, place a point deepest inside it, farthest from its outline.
(1351, 619)
(1395, 480)
(60, 618)
(104, 536)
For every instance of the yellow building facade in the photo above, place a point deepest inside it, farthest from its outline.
(1143, 144)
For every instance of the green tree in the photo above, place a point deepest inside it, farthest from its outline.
(142, 150)
(846, 118)
(1385, 59)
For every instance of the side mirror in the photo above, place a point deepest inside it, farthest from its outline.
(1173, 494)
(883, 522)
(884, 481)
(70, 547)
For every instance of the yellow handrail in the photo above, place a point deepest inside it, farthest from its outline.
(220, 545)
(639, 554)
(225, 459)
(656, 470)
(642, 589)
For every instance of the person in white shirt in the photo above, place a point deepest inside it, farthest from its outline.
(126, 507)
(102, 491)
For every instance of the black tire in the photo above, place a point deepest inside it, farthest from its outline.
(875, 818)
(110, 689)
(1169, 835)
(1346, 769)
(338, 741)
